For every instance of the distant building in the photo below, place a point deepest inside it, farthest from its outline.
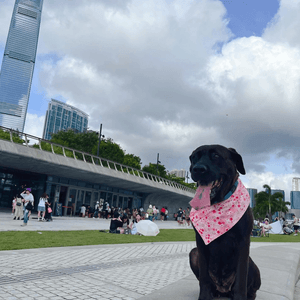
(279, 191)
(62, 116)
(296, 184)
(179, 173)
(18, 63)
(295, 199)
(252, 193)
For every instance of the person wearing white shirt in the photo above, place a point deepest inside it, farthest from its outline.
(28, 201)
(42, 206)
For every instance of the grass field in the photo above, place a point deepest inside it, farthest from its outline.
(14, 240)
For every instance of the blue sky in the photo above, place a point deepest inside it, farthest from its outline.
(149, 71)
(250, 17)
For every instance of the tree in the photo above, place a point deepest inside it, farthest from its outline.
(132, 161)
(282, 206)
(155, 169)
(5, 135)
(110, 150)
(266, 203)
(83, 141)
(88, 142)
(181, 180)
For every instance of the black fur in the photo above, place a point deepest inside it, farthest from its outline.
(223, 267)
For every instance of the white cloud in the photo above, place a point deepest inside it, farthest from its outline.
(5, 17)
(34, 125)
(149, 71)
(285, 25)
(256, 180)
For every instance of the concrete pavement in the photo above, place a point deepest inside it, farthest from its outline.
(130, 271)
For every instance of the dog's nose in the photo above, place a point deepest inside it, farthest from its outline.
(200, 169)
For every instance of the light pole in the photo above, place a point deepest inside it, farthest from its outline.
(99, 141)
(158, 162)
(187, 177)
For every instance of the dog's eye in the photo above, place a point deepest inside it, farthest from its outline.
(215, 155)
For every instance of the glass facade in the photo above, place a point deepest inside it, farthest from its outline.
(18, 63)
(252, 193)
(69, 193)
(61, 116)
(295, 200)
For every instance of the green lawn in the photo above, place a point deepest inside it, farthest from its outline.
(13, 240)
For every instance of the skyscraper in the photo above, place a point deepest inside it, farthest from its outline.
(62, 116)
(18, 63)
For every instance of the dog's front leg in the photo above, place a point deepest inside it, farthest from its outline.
(204, 279)
(240, 285)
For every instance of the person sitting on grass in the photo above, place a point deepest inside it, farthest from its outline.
(286, 229)
(116, 224)
(265, 227)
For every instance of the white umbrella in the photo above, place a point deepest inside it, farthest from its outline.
(148, 228)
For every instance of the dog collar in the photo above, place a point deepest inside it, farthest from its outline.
(232, 190)
(213, 221)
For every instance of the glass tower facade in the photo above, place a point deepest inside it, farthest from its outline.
(295, 200)
(18, 63)
(61, 116)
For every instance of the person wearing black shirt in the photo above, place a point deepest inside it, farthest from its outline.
(116, 224)
(179, 216)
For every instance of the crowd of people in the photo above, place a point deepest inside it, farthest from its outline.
(23, 204)
(183, 217)
(288, 228)
(104, 211)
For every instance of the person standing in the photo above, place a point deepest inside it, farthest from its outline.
(14, 202)
(48, 214)
(179, 216)
(187, 216)
(19, 208)
(96, 212)
(150, 212)
(296, 224)
(162, 213)
(42, 207)
(28, 203)
(82, 210)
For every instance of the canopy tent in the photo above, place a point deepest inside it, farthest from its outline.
(276, 228)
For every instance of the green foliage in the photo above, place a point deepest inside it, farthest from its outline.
(181, 180)
(155, 169)
(132, 161)
(5, 135)
(267, 204)
(57, 150)
(13, 240)
(109, 150)
(88, 142)
(84, 142)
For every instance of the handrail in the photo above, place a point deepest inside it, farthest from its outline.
(88, 158)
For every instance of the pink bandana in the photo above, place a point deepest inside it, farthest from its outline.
(213, 221)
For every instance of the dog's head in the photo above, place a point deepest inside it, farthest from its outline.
(218, 166)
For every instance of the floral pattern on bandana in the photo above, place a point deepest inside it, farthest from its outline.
(213, 221)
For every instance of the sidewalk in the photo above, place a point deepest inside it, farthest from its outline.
(127, 272)
(67, 223)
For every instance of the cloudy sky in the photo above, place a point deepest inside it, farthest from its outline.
(166, 76)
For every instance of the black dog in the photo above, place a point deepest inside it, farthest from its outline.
(223, 267)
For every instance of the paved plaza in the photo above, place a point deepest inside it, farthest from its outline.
(128, 271)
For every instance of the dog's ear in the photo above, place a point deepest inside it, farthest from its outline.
(238, 161)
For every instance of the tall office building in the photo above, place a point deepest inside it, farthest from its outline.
(61, 116)
(296, 184)
(252, 193)
(18, 63)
